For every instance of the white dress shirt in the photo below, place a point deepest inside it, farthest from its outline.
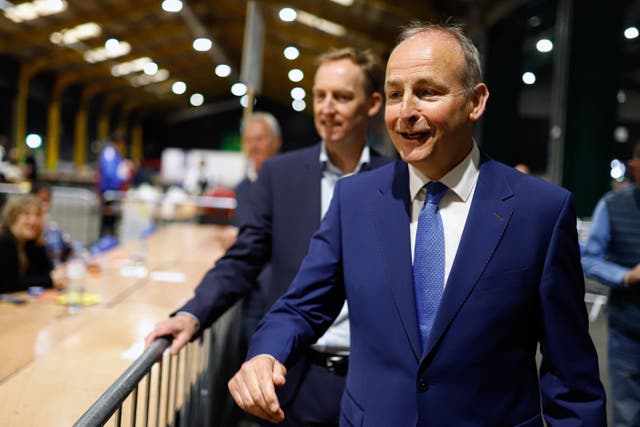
(336, 339)
(454, 205)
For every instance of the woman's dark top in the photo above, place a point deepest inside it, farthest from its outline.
(37, 273)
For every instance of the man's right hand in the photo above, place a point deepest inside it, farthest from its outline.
(253, 387)
(181, 327)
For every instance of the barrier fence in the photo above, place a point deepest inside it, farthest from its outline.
(158, 389)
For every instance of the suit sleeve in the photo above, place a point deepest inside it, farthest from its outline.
(314, 298)
(569, 378)
(235, 274)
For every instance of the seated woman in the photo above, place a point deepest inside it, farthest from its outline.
(23, 258)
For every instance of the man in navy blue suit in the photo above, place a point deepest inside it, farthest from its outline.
(508, 273)
(288, 199)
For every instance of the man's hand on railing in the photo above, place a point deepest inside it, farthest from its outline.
(253, 387)
(181, 327)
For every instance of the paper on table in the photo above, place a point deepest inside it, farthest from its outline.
(168, 276)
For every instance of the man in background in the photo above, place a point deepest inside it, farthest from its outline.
(291, 194)
(114, 173)
(612, 256)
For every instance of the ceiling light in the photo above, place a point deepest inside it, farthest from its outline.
(529, 78)
(544, 45)
(172, 6)
(291, 53)
(321, 24)
(295, 75)
(69, 36)
(621, 96)
(196, 99)
(239, 89)
(143, 79)
(150, 68)
(33, 141)
(112, 44)
(179, 87)
(102, 53)
(129, 67)
(298, 93)
(298, 104)
(244, 100)
(618, 170)
(223, 70)
(32, 10)
(631, 33)
(202, 44)
(343, 2)
(287, 14)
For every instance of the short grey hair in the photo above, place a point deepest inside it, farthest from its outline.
(265, 117)
(472, 73)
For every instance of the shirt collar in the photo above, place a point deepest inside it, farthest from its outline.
(327, 165)
(461, 179)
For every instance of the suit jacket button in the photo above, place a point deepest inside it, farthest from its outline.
(422, 386)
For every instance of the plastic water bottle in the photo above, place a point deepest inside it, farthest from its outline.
(54, 243)
(76, 277)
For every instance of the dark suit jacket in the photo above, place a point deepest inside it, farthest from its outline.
(516, 282)
(285, 212)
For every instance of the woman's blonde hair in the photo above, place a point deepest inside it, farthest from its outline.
(14, 207)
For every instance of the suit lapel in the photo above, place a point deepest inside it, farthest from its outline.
(391, 212)
(487, 220)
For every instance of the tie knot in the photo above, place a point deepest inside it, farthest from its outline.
(435, 191)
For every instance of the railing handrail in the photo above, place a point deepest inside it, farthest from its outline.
(107, 404)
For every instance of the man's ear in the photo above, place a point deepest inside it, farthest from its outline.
(375, 102)
(478, 101)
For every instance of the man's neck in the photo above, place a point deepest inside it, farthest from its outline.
(345, 156)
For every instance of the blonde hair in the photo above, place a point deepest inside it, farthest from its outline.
(14, 207)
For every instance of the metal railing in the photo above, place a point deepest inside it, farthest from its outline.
(158, 389)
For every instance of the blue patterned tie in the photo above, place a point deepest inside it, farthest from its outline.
(428, 259)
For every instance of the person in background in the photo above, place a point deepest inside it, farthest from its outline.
(56, 241)
(290, 196)
(114, 174)
(453, 273)
(23, 258)
(611, 256)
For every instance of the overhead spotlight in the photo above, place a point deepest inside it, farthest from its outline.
(172, 6)
(287, 14)
(202, 44)
(529, 78)
(298, 104)
(621, 96)
(238, 89)
(544, 45)
(196, 99)
(33, 141)
(179, 87)
(618, 169)
(223, 70)
(112, 44)
(291, 53)
(298, 93)
(150, 68)
(631, 33)
(621, 134)
(295, 75)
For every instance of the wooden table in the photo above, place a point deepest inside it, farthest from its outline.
(54, 365)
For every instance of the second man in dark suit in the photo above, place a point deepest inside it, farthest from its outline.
(291, 194)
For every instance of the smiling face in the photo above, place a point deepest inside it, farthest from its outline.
(28, 223)
(341, 106)
(428, 112)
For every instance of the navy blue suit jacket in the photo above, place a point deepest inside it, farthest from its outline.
(516, 282)
(284, 214)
